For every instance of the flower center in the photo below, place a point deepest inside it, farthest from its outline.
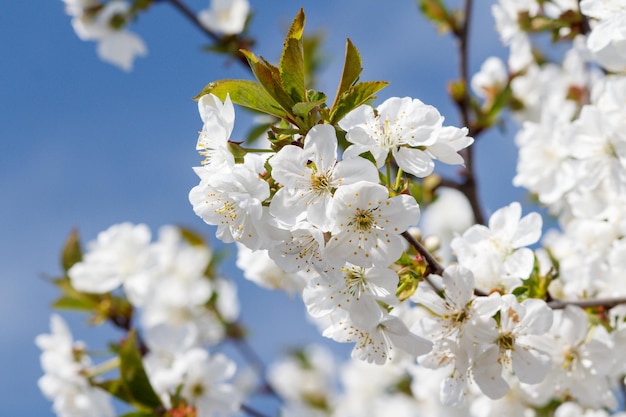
(507, 341)
(355, 280)
(363, 220)
(320, 183)
(227, 210)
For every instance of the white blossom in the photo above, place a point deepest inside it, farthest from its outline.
(218, 120)
(497, 255)
(309, 176)
(116, 46)
(119, 256)
(409, 130)
(368, 224)
(225, 16)
(232, 201)
(65, 364)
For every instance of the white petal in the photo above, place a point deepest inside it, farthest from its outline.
(414, 161)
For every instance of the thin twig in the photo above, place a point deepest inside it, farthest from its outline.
(256, 362)
(191, 16)
(469, 186)
(607, 303)
(434, 267)
(251, 411)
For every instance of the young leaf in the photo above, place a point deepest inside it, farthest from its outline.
(351, 70)
(291, 64)
(245, 93)
(134, 375)
(303, 109)
(355, 96)
(140, 414)
(73, 299)
(116, 388)
(72, 252)
(269, 77)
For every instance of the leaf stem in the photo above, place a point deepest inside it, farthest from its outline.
(104, 367)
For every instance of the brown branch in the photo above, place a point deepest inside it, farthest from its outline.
(237, 336)
(193, 18)
(607, 303)
(469, 186)
(434, 267)
(251, 411)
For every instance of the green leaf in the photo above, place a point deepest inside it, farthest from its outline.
(436, 11)
(73, 299)
(245, 93)
(369, 156)
(116, 388)
(134, 375)
(257, 131)
(291, 64)
(72, 302)
(269, 77)
(140, 414)
(304, 108)
(352, 68)
(355, 96)
(521, 293)
(501, 100)
(192, 237)
(72, 252)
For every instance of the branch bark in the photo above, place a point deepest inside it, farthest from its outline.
(193, 18)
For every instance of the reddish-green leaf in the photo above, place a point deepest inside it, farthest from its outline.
(72, 252)
(351, 69)
(269, 77)
(245, 93)
(355, 96)
(291, 66)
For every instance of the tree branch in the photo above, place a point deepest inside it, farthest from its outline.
(469, 186)
(218, 39)
(607, 303)
(191, 16)
(236, 335)
(251, 411)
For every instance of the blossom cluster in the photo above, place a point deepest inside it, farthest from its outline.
(104, 22)
(571, 142)
(181, 312)
(334, 227)
(327, 219)
(333, 210)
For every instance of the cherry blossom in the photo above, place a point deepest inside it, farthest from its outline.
(65, 364)
(309, 176)
(225, 16)
(368, 224)
(408, 129)
(119, 256)
(231, 200)
(218, 120)
(116, 46)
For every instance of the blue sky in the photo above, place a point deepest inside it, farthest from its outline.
(86, 145)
